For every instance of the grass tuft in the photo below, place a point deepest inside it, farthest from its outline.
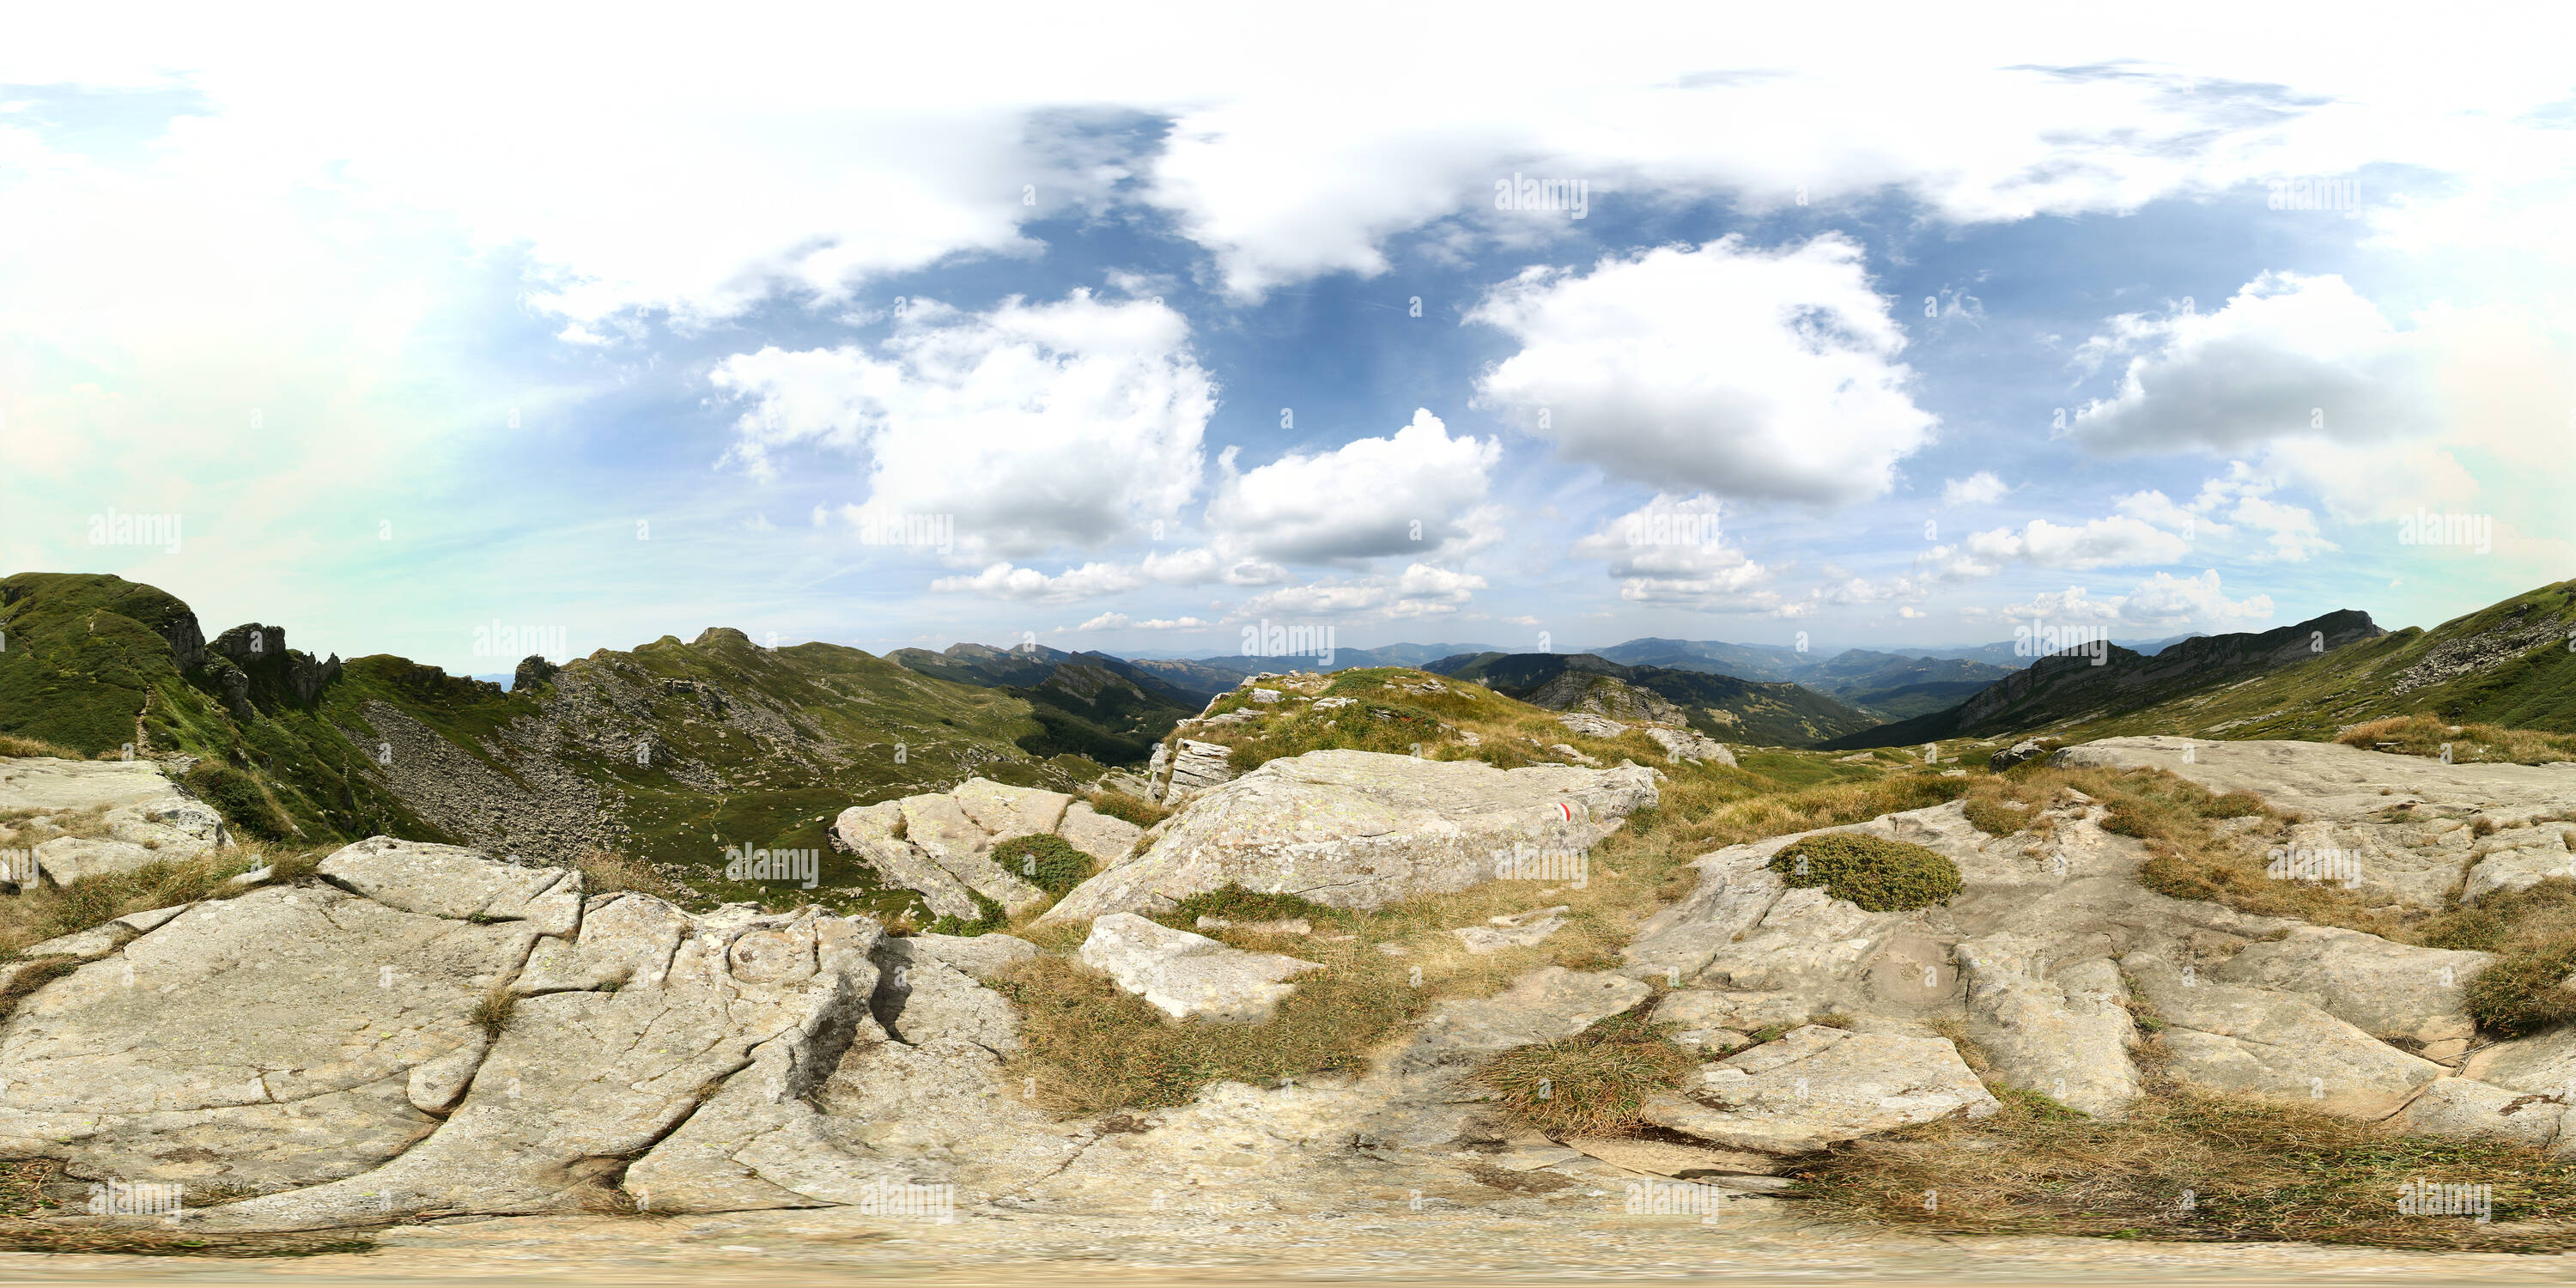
(1591, 1084)
(1048, 862)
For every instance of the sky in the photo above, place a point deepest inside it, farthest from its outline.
(1131, 327)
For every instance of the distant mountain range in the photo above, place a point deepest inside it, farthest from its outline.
(1771, 713)
(2090, 683)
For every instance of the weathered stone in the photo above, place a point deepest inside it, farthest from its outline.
(1673, 1159)
(940, 827)
(1517, 930)
(1590, 725)
(2256, 1042)
(142, 816)
(1542, 1006)
(1096, 834)
(2064, 1035)
(2544, 1062)
(1185, 975)
(1005, 811)
(1195, 767)
(1820, 1085)
(1694, 1008)
(2026, 749)
(284, 1023)
(1684, 745)
(983, 956)
(2467, 1109)
(1354, 829)
(2387, 990)
(875, 834)
(581, 1076)
(918, 997)
(450, 881)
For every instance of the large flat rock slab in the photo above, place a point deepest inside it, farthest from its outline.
(2252, 1041)
(129, 812)
(1819, 1085)
(1355, 829)
(286, 1020)
(2386, 989)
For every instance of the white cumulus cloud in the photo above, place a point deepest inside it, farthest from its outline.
(1723, 368)
(1034, 425)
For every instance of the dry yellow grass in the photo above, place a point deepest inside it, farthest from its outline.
(2427, 735)
(2188, 1166)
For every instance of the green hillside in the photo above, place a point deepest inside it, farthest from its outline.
(670, 752)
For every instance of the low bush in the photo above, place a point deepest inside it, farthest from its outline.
(2533, 930)
(1878, 874)
(1048, 862)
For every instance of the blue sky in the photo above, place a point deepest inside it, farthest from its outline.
(1124, 334)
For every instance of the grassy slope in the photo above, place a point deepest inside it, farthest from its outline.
(2315, 699)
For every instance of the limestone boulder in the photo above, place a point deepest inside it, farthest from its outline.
(1684, 745)
(1355, 829)
(2467, 1109)
(1105, 839)
(939, 844)
(1185, 975)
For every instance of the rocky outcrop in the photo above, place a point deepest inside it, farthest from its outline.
(2385, 989)
(2026, 749)
(2064, 1033)
(1546, 1005)
(1189, 976)
(2253, 1041)
(1817, 1086)
(334, 1048)
(81, 818)
(939, 845)
(1354, 829)
(2405, 825)
(533, 671)
(1683, 745)
(1195, 767)
(2467, 1109)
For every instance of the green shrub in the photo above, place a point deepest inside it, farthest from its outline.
(1235, 903)
(1994, 818)
(1874, 872)
(989, 917)
(1048, 862)
(2533, 930)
